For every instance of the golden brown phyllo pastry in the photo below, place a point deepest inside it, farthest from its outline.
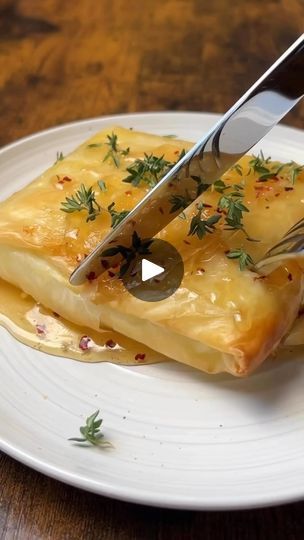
(225, 316)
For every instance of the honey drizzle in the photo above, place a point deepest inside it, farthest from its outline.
(42, 329)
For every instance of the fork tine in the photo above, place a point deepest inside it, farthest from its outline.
(295, 227)
(298, 238)
(276, 258)
(291, 246)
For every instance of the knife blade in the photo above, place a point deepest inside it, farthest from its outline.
(244, 124)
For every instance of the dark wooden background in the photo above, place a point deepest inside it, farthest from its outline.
(63, 60)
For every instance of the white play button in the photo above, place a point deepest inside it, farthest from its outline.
(150, 270)
(141, 279)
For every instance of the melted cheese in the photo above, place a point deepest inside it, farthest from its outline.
(221, 319)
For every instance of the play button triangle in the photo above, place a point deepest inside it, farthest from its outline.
(150, 270)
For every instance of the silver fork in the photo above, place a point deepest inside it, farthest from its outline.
(290, 247)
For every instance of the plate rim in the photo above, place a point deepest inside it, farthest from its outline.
(110, 117)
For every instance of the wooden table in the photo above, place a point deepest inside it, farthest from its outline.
(62, 61)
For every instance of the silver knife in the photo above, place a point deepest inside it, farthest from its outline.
(250, 119)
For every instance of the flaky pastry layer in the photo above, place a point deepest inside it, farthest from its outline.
(221, 318)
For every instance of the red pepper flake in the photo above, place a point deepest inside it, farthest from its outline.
(56, 314)
(263, 188)
(91, 276)
(187, 242)
(140, 357)
(290, 278)
(41, 329)
(289, 188)
(128, 193)
(176, 152)
(64, 179)
(110, 344)
(161, 210)
(105, 264)
(156, 280)
(111, 274)
(277, 194)
(207, 205)
(85, 343)
(170, 184)
(266, 207)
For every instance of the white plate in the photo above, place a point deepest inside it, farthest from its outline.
(182, 439)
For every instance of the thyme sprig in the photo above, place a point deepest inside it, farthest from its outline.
(201, 187)
(83, 199)
(114, 151)
(150, 169)
(273, 173)
(116, 217)
(267, 171)
(180, 202)
(245, 260)
(147, 170)
(259, 164)
(200, 226)
(91, 432)
(138, 246)
(232, 204)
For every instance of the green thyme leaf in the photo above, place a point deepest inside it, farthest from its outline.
(238, 168)
(147, 170)
(112, 142)
(220, 186)
(244, 258)
(200, 226)
(114, 156)
(102, 185)
(59, 157)
(94, 145)
(295, 171)
(116, 217)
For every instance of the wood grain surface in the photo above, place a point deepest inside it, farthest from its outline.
(62, 61)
